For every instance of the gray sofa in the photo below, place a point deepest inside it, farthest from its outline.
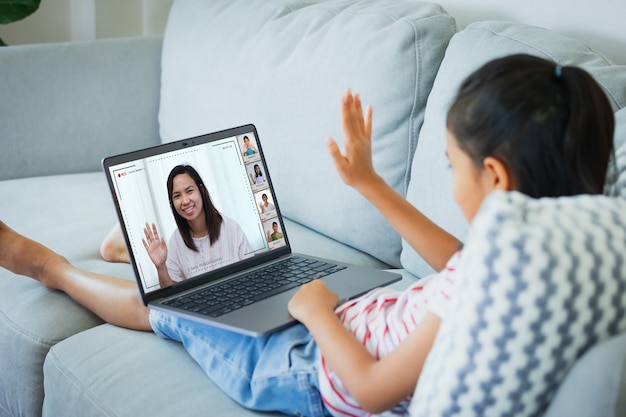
(283, 66)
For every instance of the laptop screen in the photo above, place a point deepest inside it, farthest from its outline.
(195, 206)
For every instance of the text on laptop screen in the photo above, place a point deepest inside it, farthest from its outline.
(180, 194)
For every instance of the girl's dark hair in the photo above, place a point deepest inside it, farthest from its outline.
(551, 126)
(213, 217)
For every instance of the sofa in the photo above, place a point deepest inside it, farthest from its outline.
(282, 65)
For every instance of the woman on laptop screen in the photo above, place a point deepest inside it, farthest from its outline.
(204, 239)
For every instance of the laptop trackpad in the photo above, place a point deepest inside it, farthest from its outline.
(347, 286)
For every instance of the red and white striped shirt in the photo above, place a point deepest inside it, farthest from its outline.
(381, 319)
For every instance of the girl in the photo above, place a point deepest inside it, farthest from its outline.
(518, 123)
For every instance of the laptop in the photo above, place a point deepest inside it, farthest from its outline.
(240, 280)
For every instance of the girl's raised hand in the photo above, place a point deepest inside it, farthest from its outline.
(355, 166)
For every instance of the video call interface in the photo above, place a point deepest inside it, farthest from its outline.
(235, 177)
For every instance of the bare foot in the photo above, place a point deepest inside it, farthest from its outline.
(113, 247)
(23, 256)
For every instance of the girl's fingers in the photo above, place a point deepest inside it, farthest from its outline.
(353, 125)
(358, 112)
(335, 153)
(346, 116)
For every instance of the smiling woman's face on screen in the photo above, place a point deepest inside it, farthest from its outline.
(187, 198)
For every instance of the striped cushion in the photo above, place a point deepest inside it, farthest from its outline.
(541, 281)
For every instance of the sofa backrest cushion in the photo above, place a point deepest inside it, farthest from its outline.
(541, 281)
(67, 105)
(430, 184)
(283, 65)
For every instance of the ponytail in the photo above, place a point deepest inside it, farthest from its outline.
(588, 136)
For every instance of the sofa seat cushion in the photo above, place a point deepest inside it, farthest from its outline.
(32, 320)
(109, 371)
(283, 66)
(468, 50)
(541, 282)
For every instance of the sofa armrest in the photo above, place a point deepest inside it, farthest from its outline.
(65, 106)
(596, 384)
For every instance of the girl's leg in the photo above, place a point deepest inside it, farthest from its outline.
(115, 300)
(277, 372)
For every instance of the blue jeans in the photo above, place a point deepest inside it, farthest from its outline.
(277, 372)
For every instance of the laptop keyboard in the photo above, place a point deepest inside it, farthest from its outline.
(234, 294)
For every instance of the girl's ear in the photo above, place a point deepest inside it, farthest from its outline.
(498, 175)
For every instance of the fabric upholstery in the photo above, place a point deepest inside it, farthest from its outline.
(541, 282)
(596, 384)
(109, 371)
(82, 95)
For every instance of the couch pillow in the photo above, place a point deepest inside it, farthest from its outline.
(430, 183)
(541, 281)
(283, 65)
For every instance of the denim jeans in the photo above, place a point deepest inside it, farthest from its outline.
(277, 372)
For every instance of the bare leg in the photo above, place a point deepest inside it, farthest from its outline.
(113, 247)
(115, 300)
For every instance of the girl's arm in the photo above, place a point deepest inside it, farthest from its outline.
(433, 243)
(377, 385)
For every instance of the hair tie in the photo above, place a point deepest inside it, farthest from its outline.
(558, 71)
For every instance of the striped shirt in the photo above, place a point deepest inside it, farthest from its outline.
(381, 319)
